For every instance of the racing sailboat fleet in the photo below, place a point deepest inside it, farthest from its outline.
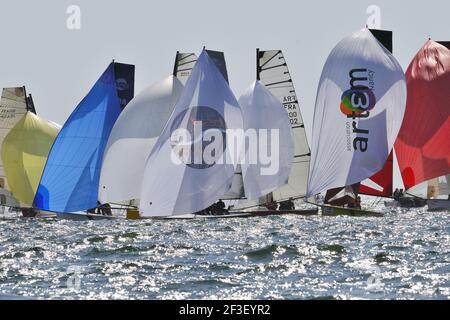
(186, 145)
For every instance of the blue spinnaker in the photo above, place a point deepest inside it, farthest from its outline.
(70, 179)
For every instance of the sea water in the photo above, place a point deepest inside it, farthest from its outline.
(404, 255)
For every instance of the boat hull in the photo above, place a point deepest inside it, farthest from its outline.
(438, 204)
(235, 214)
(341, 211)
(80, 216)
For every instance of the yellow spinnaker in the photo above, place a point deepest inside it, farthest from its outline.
(24, 153)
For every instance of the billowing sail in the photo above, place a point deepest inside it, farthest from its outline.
(380, 184)
(265, 120)
(184, 63)
(273, 72)
(132, 138)
(70, 181)
(359, 109)
(185, 172)
(24, 153)
(422, 147)
(13, 106)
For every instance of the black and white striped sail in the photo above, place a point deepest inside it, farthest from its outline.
(273, 72)
(184, 63)
(13, 106)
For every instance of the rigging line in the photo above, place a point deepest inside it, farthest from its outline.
(269, 58)
(272, 67)
(189, 55)
(279, 82)
(185, 63)
(303, 155)
(180, 70)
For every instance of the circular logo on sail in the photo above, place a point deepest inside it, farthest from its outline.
(122, 84)
(198, 137)
(357, 101)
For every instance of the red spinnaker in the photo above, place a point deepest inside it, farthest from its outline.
(423, 144)
(380, 184)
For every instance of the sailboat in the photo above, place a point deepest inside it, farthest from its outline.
(272, 72)
(178, 179)
(422, 146)
(359, 109)
(381, 183)
(24, 148)
(135, 133)
(70, 181)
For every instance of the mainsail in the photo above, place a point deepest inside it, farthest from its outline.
(13, 106)
(273, 72)
(422, 147)
(24, 153)
(179, 177)
(267, 122)
(359, 109)
(70, 181)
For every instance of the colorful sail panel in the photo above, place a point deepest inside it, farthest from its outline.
(24, 153)
(422, 147)
(273, 72)
(359, 109)
(380, 184)
(267, 121)
(132, 138)
(13, 106)
(186, 172)
(70, 181)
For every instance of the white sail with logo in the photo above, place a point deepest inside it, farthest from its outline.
(132, 138)
(359, 109)
(268, 158)
(179, 178)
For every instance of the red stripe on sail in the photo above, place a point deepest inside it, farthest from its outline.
(423, 144)
(382, 178)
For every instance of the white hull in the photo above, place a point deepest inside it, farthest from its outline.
(438, 204)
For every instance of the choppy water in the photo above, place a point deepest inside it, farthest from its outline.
(405, 255)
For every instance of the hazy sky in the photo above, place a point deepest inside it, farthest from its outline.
(59, 66)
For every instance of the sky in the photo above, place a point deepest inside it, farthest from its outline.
(59, 65)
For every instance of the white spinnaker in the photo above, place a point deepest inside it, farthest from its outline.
(265, 119)
(132, 138)
(337, 157)
(274, 74)
(170, 186)
(13, 107)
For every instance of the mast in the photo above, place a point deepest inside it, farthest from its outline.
(175, 66)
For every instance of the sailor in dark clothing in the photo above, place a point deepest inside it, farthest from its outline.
(396, 194)
(287, 205)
